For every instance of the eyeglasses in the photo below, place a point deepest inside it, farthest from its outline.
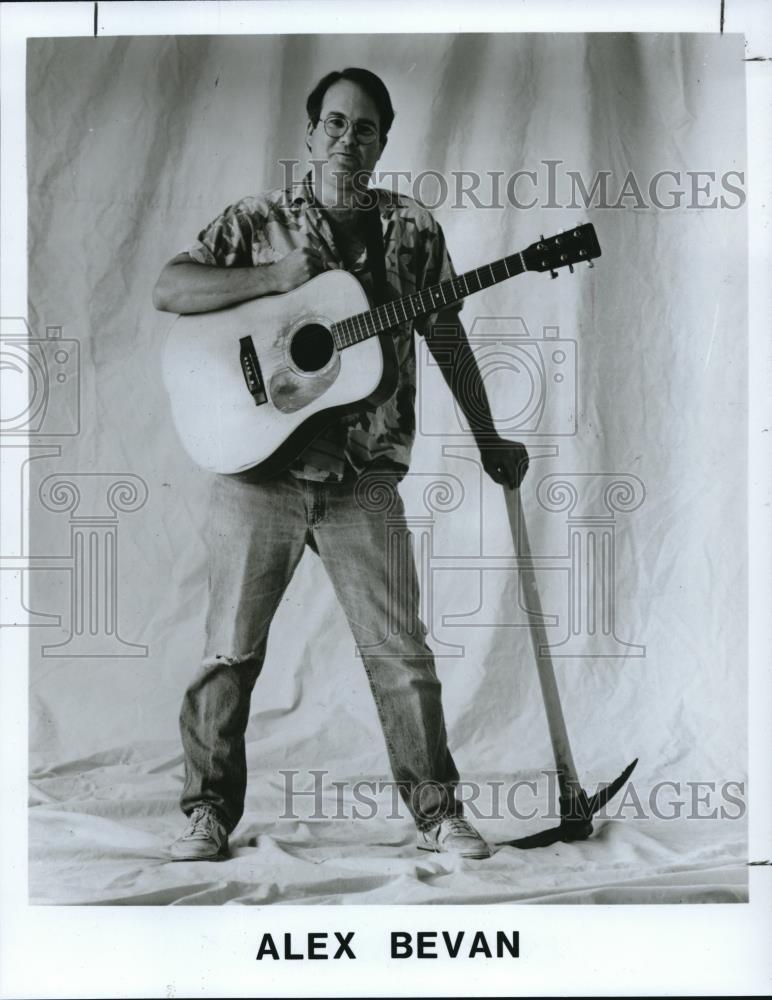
(337, 125)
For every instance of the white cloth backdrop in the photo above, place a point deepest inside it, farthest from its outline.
(133, 145)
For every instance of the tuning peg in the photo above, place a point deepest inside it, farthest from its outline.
(553, 274)
(590, 263)
(571, 268)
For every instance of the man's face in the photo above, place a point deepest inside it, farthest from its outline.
(346, 155)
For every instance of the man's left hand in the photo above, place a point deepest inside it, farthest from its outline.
(505, 462)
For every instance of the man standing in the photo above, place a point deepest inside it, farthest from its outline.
(257, 532)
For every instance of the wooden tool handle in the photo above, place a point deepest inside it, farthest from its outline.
(569, 782)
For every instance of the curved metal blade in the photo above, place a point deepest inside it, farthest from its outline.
(566, 832)
(576, 827)
(600, 798)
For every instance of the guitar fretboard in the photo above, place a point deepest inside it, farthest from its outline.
(357, 328)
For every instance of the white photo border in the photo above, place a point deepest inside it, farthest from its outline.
(565, 950)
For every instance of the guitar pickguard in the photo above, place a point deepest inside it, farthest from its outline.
(293, 386)
(291, 391)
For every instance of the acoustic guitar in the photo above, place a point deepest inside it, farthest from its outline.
(251, 385)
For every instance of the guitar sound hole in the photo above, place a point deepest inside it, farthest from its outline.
(312, 347)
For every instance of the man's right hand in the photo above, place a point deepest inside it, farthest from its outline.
(297, 268)
(186, 286)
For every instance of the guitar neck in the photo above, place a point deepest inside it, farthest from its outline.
(360, 327)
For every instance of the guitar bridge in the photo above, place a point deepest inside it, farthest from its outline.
(250, 368)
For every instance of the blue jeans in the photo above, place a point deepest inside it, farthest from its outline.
(256, 535)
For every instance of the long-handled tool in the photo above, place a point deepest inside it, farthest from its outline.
(576, 808)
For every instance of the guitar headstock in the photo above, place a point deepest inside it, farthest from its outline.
(564, 250)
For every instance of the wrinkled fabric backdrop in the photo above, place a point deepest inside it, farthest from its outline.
(134, 144)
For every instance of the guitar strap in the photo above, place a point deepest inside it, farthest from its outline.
(376, 261)
(375, 257)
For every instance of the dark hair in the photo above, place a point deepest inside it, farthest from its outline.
(372, 85)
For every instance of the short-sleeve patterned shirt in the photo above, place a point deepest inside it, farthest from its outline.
(265, 228)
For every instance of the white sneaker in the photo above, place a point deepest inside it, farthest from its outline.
(454, 835)
(205, 837)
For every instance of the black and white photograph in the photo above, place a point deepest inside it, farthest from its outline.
(375, 456)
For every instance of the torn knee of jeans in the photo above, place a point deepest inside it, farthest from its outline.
(226, 660)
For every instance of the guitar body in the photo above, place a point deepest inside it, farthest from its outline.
(252, 385)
